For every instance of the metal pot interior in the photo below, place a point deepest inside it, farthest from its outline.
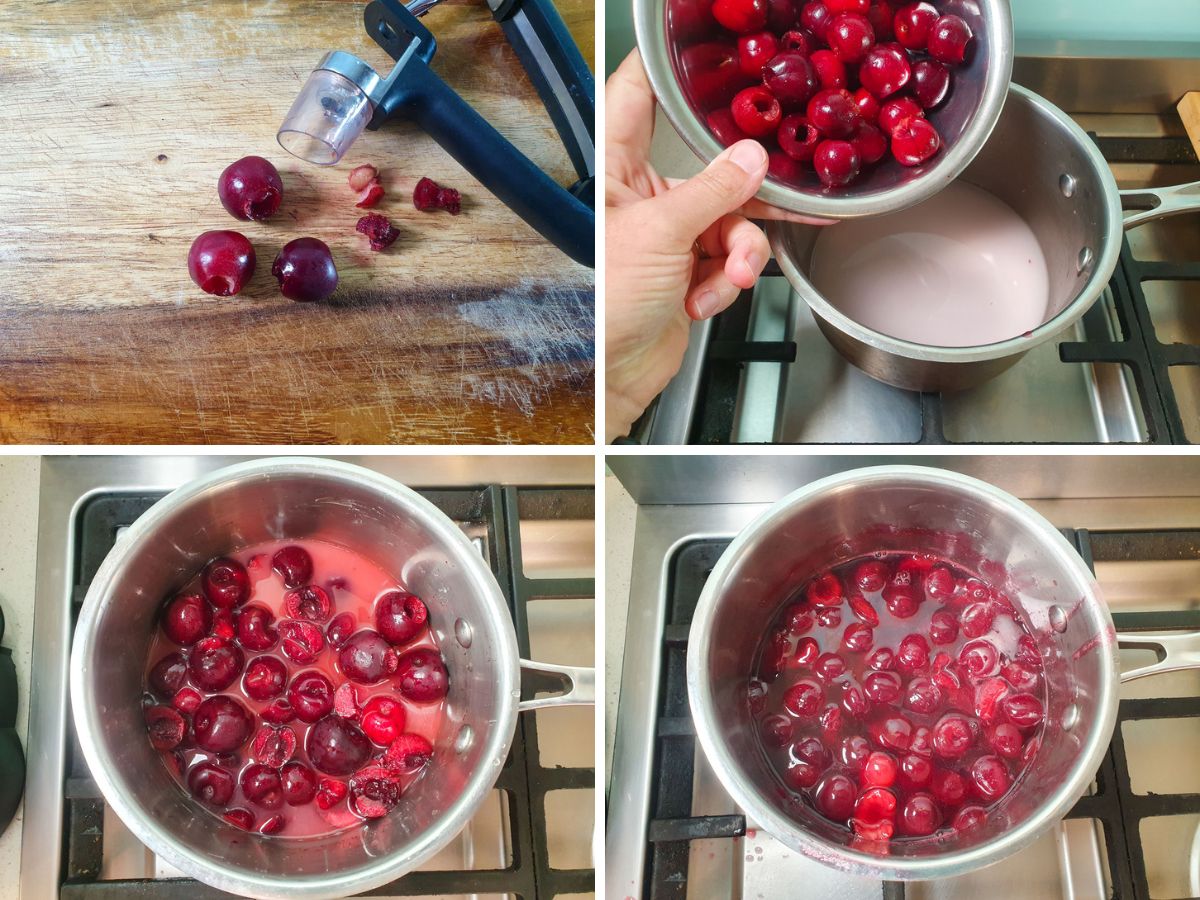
(295, 499)
(923, 511)
(1049, 172)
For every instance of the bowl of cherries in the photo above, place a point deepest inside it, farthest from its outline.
(864, 106)
(296, 678)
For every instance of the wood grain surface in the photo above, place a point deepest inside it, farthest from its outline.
(115, 121)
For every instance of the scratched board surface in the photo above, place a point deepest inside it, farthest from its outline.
(115, 121)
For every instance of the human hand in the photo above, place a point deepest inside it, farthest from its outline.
(675, 250)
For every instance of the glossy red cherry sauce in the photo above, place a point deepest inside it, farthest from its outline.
(900, 696)
(353, 584)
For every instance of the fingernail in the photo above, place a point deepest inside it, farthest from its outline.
(706, 304)
(749, 156)
(754, 263)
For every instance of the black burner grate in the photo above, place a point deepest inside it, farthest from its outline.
(1114, 804)
(1148, 359)
(498, 511)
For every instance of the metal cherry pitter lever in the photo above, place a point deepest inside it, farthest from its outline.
(343, 95)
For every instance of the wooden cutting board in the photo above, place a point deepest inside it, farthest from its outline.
(116, 119)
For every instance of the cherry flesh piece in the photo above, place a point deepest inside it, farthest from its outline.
(835, 114)
(755, 51)
(421, 676)
(948, 40)
(310, 602)
(804, 698)
(829, 69)
(383, 720)
(330, 792)
(273, 746)
(872, 146)
(336, 746)
(294, 565)
(305, 271)
(834, 796)
(756, 111)
(339, 629)
(299, 784)
(311, 696)
(221, 262)
(211, 783)
(915, 141)
(380, 231)
(912, 25)
(256, 627)
(790, 77)
(215, 664)
(346, 702)
(261, 785)
(831, 721)
(884, 70)
(374, 791)
(400, 617)
(221, 724)
(168, 675)
(250, 189)
(815, 17)
(741, 16)
(302, 641)
(896, 112)
(225, 583)
(931, 83)
(366, 658)
(265, 678)
(165, 726)
(850, 36)
(186, 619)
(187, 700)
(920, 815)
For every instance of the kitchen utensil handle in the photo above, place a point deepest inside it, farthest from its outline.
(1174, 651)
(579, 686)
(1148, 204)
(564, 220)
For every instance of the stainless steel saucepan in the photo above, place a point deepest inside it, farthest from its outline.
(405, 534)
(960, 518)
(1046, 168)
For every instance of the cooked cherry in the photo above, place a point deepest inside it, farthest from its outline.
(330, 792)
(881, 15)
(366, 658)
(294, 565)
(273, 745)
(827, 589)
(741, 16)
(298, 783)
(165, 726)
(868, 107)
(922, 695)
(278, 712)
(261, 785)
(834, 796)
(756, 111)
(799, 775)
(831, 721)
(336, 746)
(305, 271)
(225, 583)
(948, 787)
(990, 778)
(948, 40)
(912, 654)
(829, 616)
(914, 142)
(952, 736)
(830, 667)
(1006, 740)
(242, 818)
(311, 696)
(265, 678)
(421, 676)
(186, 618)
(879, 769)
(382, 720)
(221, 724)
(755, 50)
(920, 815)
(798, 618)
(854, 6)
(804, 698)
(168, 675)
(890, 730)
(875, 804)
(979, 658)
(913, 23)
(977, 619)
(374, 791)
(882, 687)
(914, 771)
(250, 189)
(346, 702)
(835, 115)
(339, 629)
(789, 76)
(882, 659)
(215, 664)
(309, 602)
(850, 36)
(187, 700)
(256, 627)
(969, 817)
(211, 783)
(400, 616)
(943, 627)
(221, 262)
(302, 641)
(1023, 710)
(777, 730)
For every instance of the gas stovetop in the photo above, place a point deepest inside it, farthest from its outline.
(1128, 371)
(532, 837)
(673, 832)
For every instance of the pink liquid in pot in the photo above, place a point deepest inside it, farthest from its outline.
(900, 696)
(354, 585)
(961, 269)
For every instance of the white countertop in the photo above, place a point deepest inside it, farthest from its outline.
(20, 478)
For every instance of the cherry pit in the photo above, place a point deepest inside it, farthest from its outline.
(294, 688)
(828, 86)
(899, 696)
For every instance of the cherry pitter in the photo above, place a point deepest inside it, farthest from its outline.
(344, 95)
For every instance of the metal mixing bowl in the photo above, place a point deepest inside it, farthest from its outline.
(964, 121)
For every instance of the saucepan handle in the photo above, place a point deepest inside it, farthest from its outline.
(577, 685)
(1174, 651)
(1148, 204)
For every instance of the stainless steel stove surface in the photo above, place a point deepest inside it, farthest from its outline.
(533, 837)
(673, 832)
(762, 371)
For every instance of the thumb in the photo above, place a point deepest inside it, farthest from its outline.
(730, 180)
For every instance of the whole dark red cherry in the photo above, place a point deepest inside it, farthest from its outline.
(815, 17)
(837, 163)
(305, 271)
(790, 77)
(336, 746)
(221, 724)
(366, 658)
(299, 783)
(833, 113)
(265, 678)
(741, 16)
(250, 189)
(215, 664)
(225, 583)
(850, 36)
(755, 51)
(261, 784)
(948, 40)
(221, 262)
(311, 696)
(294, 565)
(168, 675)
(913, 23)
(884, 70)
(931, 82)
(186, 618)
(421, 676)
(210, 783)
(400, 616)
(915, 141)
